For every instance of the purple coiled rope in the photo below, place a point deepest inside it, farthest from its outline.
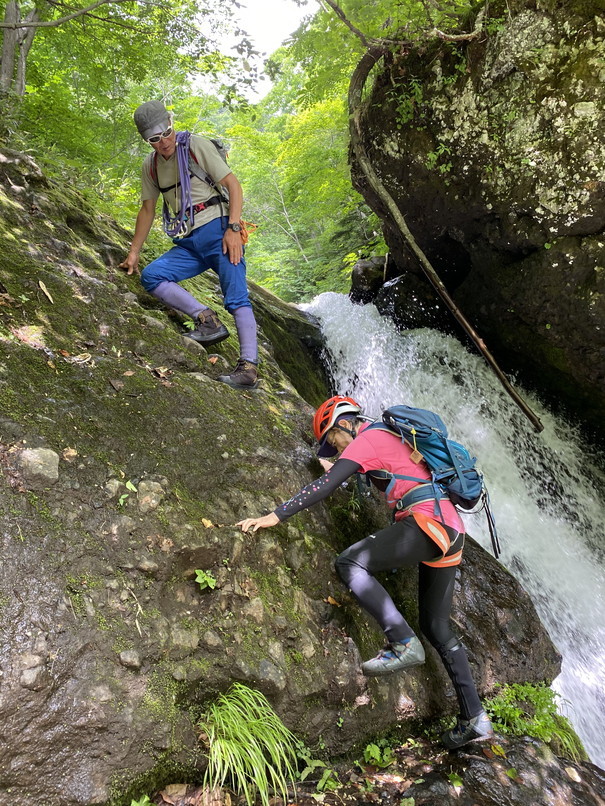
(177, 225)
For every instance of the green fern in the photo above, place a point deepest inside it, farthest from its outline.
(523, 709)
(248, 746)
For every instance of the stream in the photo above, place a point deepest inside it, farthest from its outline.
(547, 490)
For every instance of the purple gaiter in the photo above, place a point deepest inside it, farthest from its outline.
(245, 324)
(173, 295)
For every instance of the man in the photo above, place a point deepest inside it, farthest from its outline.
(208, 239)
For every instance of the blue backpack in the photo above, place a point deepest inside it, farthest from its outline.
(453, 471)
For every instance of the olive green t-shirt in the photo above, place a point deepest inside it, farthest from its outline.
(209, 161)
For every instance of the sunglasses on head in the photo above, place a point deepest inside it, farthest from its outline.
(157, 137)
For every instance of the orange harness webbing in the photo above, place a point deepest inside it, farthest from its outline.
(438, 534)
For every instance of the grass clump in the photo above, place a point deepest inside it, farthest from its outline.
(523, 709)
(248, 746)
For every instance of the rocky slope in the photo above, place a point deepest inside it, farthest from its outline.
(494, 151)
(124, 466)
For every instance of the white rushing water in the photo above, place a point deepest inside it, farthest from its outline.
(547, 492)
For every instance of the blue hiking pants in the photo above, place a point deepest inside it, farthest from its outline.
(202, 249)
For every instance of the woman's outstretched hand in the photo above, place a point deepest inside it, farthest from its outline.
(258, 523)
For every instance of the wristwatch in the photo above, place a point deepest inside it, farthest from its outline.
(235, 227)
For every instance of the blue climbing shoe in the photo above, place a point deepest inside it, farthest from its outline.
(477, 729)
(395, 657)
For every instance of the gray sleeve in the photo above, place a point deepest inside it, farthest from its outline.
(149, 188)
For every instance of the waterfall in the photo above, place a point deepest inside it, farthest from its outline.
(547, 490)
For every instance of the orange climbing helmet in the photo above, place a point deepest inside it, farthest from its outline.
(327, 415)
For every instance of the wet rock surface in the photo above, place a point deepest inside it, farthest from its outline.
(512, 772)
(109, 648)
(494, 152)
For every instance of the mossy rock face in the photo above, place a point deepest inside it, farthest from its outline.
(494, 151)
(109, 649)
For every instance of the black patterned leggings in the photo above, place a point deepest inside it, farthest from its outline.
(403, 545)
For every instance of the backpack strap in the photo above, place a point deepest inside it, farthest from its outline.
(425, 490)
(382, 426)
(377, 425)
(195, 169)
(153, 171)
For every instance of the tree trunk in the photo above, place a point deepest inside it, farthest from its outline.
(24, 44)
(10, 39)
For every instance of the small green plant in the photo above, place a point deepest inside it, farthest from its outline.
(204, 579)
(408, 101)
(124, 497)
(311, 765)
(354, 502)
(329, 781)
(433, 157)
(249, 746)
(189, 324)
(144, 801)
(523, 709)
(411, 743)
(379, 754)
(495, 24)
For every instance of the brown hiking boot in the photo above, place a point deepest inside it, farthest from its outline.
(208, 328)
(244, 376)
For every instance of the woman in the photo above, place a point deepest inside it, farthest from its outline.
(418, 536)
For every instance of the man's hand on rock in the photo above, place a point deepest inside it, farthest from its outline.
(131, 263)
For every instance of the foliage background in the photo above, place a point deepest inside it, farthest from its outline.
(85, 77)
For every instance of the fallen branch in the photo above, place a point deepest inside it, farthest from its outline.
(358, 79)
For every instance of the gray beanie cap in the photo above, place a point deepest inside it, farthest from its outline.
(151, 118)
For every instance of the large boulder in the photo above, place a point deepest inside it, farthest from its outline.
(143, 464)
(494, 151)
